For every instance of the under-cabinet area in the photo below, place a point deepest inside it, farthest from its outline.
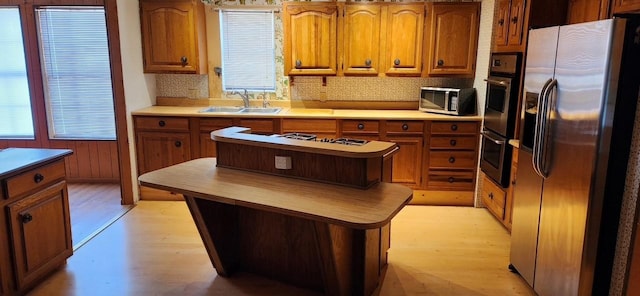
(36, 230)
(437, 154)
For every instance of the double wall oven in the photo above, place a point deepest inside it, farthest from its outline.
(503, 85)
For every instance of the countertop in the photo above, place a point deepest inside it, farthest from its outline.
(17, 160)
(307, 113)
(316, 201)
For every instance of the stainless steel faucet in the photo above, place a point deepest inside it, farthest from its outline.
(244, 96)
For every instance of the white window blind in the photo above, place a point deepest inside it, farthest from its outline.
(248, 51)
(76, 72)
(16, 121)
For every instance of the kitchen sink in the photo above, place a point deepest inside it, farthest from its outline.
(221, 109)
(260, 110)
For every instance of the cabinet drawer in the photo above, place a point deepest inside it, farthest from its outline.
(405, 127)
(450, 180)
(452, 159)
(212, 124)
(360, 126)
(454, 142)
(493, 197)
(35, 179)
(449, 127)
(312, 126)
(162, 123)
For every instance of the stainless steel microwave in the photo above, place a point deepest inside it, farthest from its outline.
(452, 101)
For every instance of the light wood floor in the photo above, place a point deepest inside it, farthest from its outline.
(155, 249)
(93, 207)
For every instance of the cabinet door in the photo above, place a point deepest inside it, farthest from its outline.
(361, 39)
(516, 21)
(40, 232)
(169, 37)
(407, 163)
(623, 6)
(404, 27)
(581, 11)
(501, 22)
(310, 32)
(158, 150)
(454, 38)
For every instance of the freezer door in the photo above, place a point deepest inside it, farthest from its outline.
(526, 213)
(576, 107)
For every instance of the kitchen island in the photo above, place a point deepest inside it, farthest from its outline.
(325, 237)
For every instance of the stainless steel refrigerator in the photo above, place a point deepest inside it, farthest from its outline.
(580, 96)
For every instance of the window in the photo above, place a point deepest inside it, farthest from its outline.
(76, 72)
(248, 50)
(16, 121)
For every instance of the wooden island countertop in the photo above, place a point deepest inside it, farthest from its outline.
(333, 204)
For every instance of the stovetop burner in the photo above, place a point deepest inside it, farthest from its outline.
(311, 137)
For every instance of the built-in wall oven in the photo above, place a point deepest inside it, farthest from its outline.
(503, 85)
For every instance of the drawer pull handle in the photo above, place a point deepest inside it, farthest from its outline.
(26, 218)
(162, 123)
(452, 159)
(451, 180)
(491, 195)
(38, 178)
(405, 127)
(360, 126)
(453, 142)
(454, 127)
(178, 144)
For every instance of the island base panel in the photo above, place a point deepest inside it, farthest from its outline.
(333, 259)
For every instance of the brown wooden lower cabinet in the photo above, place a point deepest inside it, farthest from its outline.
(34, 218)
(633, 281)
(438, 159)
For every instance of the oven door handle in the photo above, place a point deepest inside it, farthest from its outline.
(495, 81)
(486, 135)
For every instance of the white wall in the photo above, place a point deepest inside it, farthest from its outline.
(139, 88)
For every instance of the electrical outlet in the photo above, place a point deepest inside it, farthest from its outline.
(283, 162)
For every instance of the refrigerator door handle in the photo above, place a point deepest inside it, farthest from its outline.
(544, 131)
(538, 126)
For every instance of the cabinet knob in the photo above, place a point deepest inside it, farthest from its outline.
(514, 20)
(453, 142)
(360, 126)
(405, 126)
(38, 178)
(491, 195)
(367, 63)
(26, 218)
(298, 63)
(454, 127)
(178, 144)
(501, 22)
(451, 179)
(452, 159)
(441, 62)
(184, 61)
(396, 62)
(513, 182)
(162, 123)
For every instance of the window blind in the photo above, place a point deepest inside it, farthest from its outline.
(248, 50)
(16, 121)
(76, 72)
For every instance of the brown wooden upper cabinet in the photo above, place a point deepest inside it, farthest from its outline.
(173, 36)
(624, 6)
(581, 11)
(453, 38)
(403, 31)
(360, 38)
(509, 25)
(310, 42)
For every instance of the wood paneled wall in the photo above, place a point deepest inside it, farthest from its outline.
(91, 161)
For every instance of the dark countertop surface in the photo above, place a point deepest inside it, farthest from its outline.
(17, 160)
